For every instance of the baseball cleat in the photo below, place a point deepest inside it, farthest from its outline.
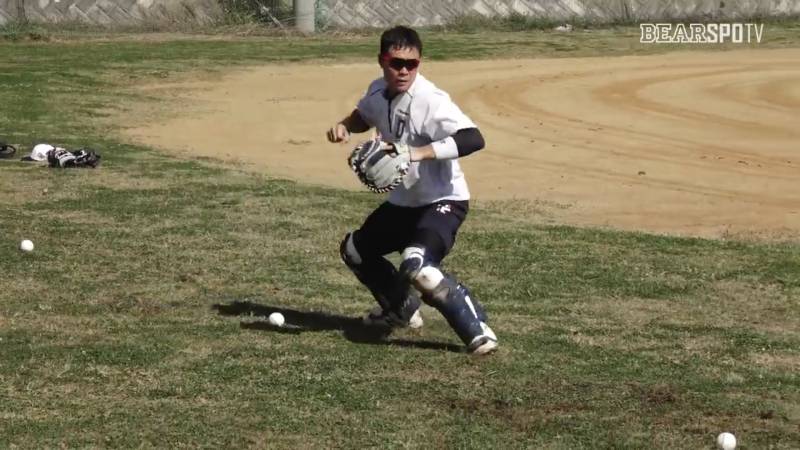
(483, 343)
(378, 317)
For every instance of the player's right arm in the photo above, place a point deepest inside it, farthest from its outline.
(353, 123)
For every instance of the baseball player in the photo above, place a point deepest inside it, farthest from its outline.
(422, 215)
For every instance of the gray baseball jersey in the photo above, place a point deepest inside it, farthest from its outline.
(418, 117)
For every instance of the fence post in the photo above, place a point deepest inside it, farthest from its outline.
(21, 16)
(304, 15)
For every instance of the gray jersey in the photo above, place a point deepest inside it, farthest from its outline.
(418, 117)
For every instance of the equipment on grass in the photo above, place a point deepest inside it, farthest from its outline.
(83, 157)
(380, 166)
(39, 152)
(7, 150)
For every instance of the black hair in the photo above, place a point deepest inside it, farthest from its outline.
(400, 37)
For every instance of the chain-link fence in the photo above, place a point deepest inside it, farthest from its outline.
(270, 12)
(353, 14)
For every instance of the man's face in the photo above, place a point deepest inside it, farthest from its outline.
(400, 66)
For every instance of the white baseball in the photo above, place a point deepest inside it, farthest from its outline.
(277, 319)
(26, 246)
(726, 441)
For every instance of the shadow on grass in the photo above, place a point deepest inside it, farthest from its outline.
(353, 329)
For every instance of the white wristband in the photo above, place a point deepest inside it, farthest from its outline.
(446, 148)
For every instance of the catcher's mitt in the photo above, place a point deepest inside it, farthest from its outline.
(379, 165)
(84, 157)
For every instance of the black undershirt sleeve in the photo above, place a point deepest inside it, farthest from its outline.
(468, 140)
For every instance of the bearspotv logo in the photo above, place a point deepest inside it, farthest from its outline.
(701, 33)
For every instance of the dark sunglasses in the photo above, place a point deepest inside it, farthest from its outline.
(399, 63)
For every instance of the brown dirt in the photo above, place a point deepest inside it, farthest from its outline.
(689, 143)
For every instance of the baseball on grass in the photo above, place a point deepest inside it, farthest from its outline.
(726, 441)
(26, 245)
(276, 319)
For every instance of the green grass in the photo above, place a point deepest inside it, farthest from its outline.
(140, 317)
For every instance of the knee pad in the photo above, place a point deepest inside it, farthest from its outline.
(413, 260)
(428, 279)
(424, 276)
(348, 252)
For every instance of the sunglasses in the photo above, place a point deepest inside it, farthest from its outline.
(400, 63)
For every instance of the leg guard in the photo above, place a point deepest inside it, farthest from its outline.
(464, 314)
(377, 274)
(398, 304)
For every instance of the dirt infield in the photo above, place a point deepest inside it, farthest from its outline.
(690, 143)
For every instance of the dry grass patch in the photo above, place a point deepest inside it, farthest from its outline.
(759, 306)
(778, 361)
(511, 214)
(518, 323)
(26, 189)
(627, 323)
(704, 346)
(70, 329)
